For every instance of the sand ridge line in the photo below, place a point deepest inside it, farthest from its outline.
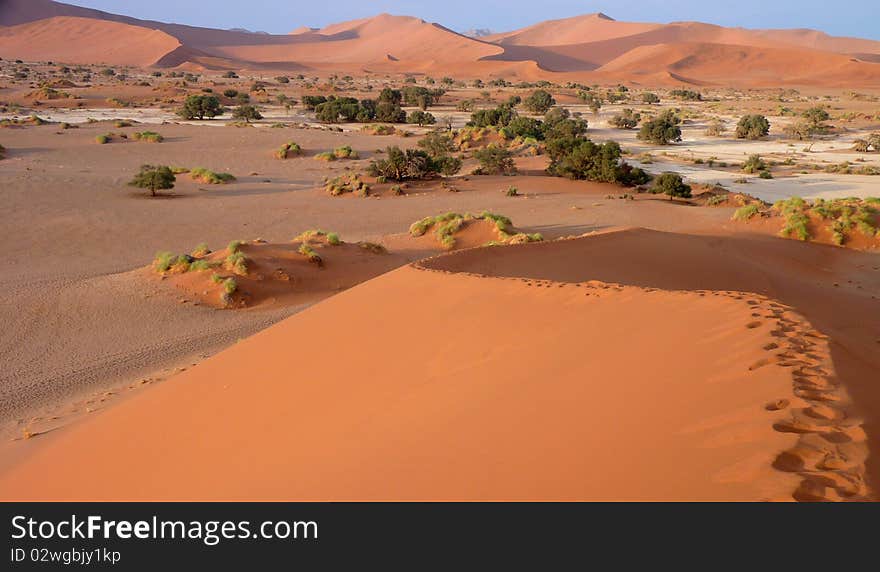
(831, 450)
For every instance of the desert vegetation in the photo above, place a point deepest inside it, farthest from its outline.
(209, 177)
(447, 225)
(153, 178)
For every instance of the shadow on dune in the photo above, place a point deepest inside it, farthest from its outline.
(834, 288)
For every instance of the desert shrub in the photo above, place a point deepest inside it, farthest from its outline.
(539, 101)
(311, 102)
(754, 164)
(325, 156)
(148, 136)
(495, 160)
(345, 152)
(686, 94)
(580, 158)
(236, 262)
(120, 123)
(344, 184)
(282, 79)
(311, 254)
(661, 130)
(400, 165)
(104, 139)
(2, 152)
(420, 118)
(715, 128)
(861, 146)
(209, 177)
(201, 250)
(247, 112)
(752, 127)
(230, 93)
(154, 178)
(745, 212)
(649, 98)
(201, 107)
(627, 119)
(512, 191)
(437, 144)
(446, 225)
(765, 174)
(671, 184)
(288, 150)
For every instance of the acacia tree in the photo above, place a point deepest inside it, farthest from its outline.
(661, 130)
(540, 101)
(672, 184)
(200, 107)
(154, 178)
(247, 112)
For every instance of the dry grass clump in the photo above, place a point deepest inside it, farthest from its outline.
(379, 129)
(344, 184)
(148, 137)
(288, 150)
(446, 225)
(330, 237)
(210, 177)
(746, 212)
(311, 254)
(846, 215)
(344, 152)
(169, 263)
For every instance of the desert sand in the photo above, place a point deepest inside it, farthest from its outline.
(517, 402)
(316, 347)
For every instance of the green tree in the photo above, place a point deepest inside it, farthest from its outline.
(649, 98)
(661, 130)
(627, 119)
(200, 107)
(420, 118)
(539, 101)
(752, 127)
(154, 178)
(673, 185)
(247, 112)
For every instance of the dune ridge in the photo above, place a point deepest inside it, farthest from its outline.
(513, 388)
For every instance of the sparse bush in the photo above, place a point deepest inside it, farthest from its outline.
(671, 184)
(754, 164)
(210, 177)
(745, 212)
(148, 136)
(649, 98)
(400, 165)
(715, 128)
(103, 139)
(311, 254)
(627, 119)
(495, 160)
(288, 150)
(580, 158)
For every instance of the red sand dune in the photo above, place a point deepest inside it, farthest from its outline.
(578, 46)
(87, 40)
(498, 388)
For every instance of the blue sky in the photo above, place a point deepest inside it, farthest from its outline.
(859, 18)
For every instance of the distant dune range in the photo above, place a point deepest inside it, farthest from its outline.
(592, 47)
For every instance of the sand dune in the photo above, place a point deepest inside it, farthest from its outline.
(510, 389)
(759, 66)
(87, 40)
(592, 47)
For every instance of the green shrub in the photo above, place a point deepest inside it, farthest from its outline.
(752, 127)
(210, 177)
(200, 107)
(288, 150)
(671, 184)
(754, 164)
(148, 136)
(495, 160)
(745, 212)
(661, 130)
(104, 139)
(310, 253)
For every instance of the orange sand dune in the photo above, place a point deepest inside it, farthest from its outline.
(744, 65)
(575, 30)
(85, 40)
(375, 39)
(496, 389)
(584, 48)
